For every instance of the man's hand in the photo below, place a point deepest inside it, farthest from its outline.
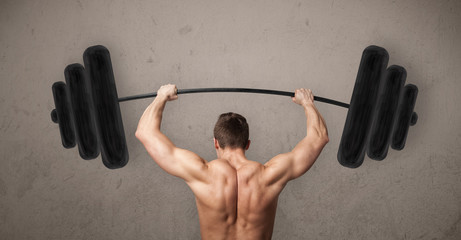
(168, 92)
(303, 97)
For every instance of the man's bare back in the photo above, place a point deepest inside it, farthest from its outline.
(236, 204)
(236, 198)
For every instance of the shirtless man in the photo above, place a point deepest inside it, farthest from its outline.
(236, 198)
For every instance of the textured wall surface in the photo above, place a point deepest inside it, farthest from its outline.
(48, 192)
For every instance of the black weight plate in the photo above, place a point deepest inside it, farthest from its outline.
(386, 106)
(404, 116)
(61, 102)
(108, 118)
(351, 150)
(82, 111)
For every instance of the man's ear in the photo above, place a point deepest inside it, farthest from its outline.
(216, 143)
(248, 144)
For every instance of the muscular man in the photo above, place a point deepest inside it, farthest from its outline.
(236, 198)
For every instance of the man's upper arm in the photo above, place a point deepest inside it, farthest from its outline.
(288, 166)
(189, 166)
(175, 161)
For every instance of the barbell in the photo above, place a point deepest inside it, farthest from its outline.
(88, 112)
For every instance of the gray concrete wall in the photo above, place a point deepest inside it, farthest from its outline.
(48, 192)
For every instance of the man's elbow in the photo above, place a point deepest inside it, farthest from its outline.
(153, 144)
(322, 137)
(139, 135)
(325, 139)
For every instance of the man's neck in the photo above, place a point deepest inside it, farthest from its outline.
(235, 157)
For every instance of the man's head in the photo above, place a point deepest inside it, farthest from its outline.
(231, 131)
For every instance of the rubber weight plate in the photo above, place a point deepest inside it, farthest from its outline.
(108, 118)
(351, 150)
(386, 106)
(405, 116)
(82, 111)
(62, 114)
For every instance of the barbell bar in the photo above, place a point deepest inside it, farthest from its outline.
(88, 111)
(237, 90)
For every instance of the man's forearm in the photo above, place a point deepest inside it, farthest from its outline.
(315, 122)
(156, 143)
(316, 134)
(152, 117)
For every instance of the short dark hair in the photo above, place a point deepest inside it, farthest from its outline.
(231, 130)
